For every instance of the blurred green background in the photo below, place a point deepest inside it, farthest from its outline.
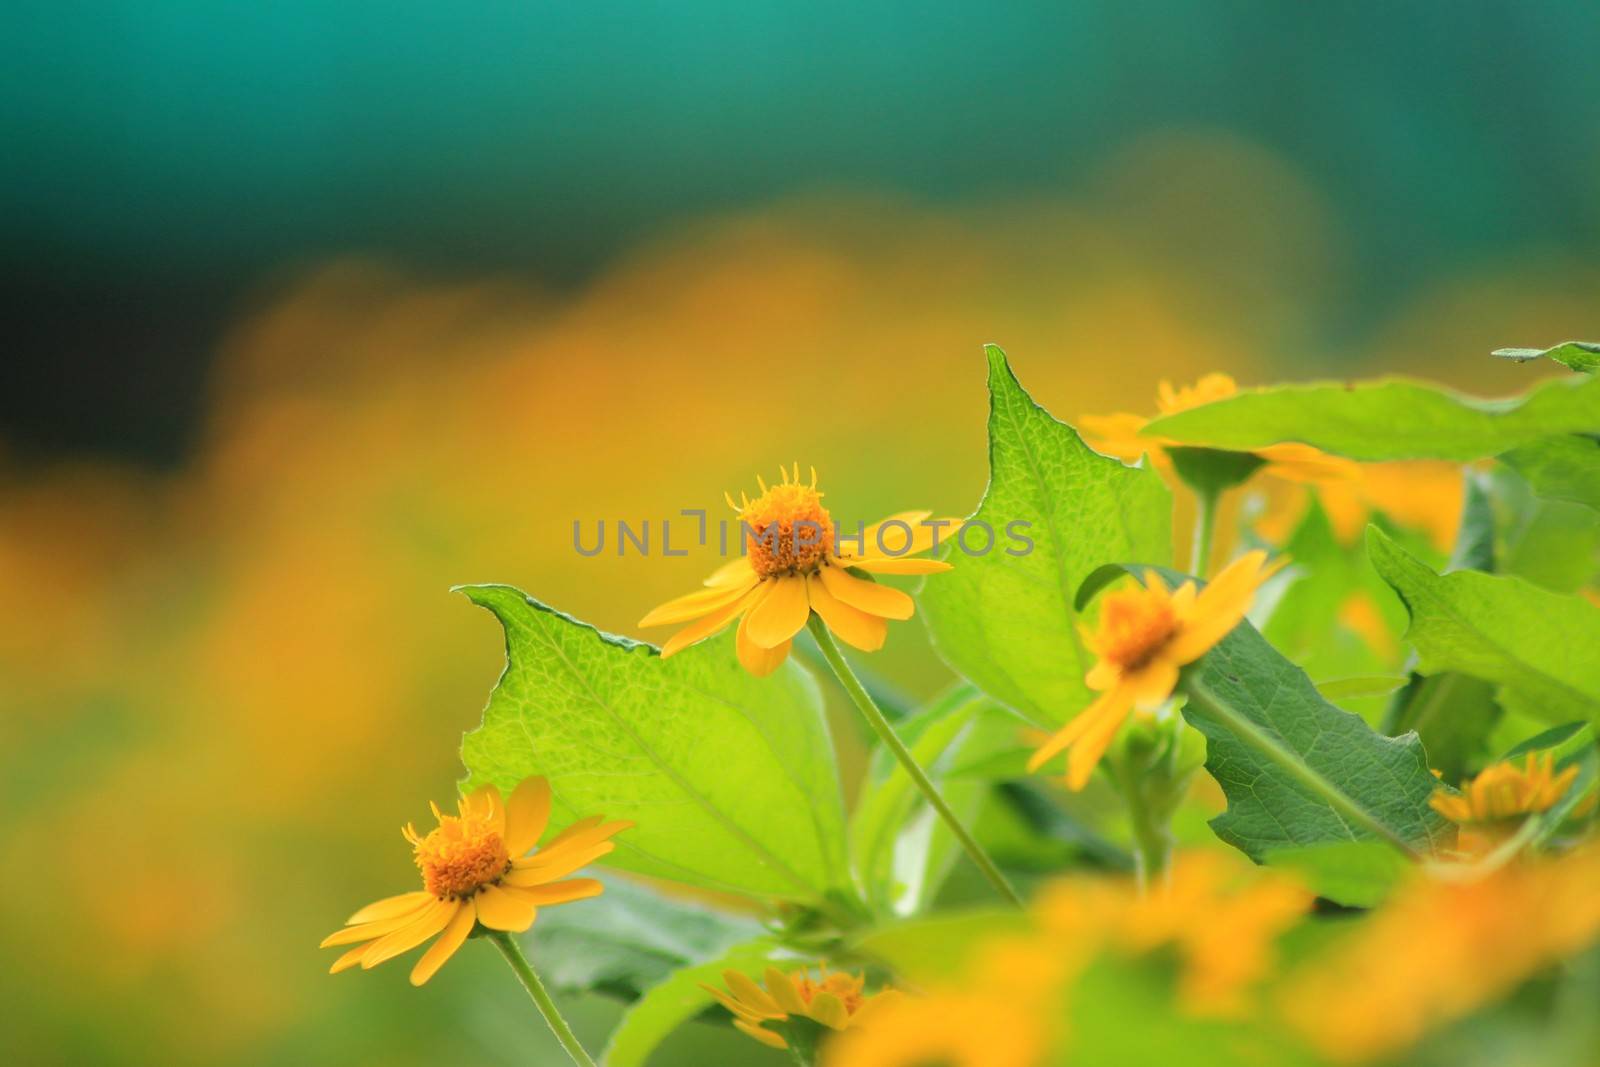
(317, 310)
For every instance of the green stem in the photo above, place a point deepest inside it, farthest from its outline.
(1205, 526)
(541, 998)
(1152, 839)
(1251, 734)
(891, 741)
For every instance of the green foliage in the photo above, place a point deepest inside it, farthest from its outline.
(677, 999)
(1007, 622)
(630, 938)
(1357, 874)
(1388, 419)
(1209, 471)
(936, 949)
(901, 850)
(1535, 646)
(1283, 771)
(1564, 467)
(730, 778)
(1574, 355)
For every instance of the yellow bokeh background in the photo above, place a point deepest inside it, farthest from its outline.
(223, 688)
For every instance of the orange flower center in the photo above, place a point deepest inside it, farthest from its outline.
(461, 856)
(847, 989)
(1134, 625)
(786, 529)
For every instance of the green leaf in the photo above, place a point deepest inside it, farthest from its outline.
(677, 999)
(1388, 419)
(630, 938)
(1575, 355)
(1007, 622)
(1209, 471)
(1535, 646)
(1361, 686)
(1454, 713)
(1293, 766)
(1565, 467)
(1357, 874)
(731, 779)
(901, 850)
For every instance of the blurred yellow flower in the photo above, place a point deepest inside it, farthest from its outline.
(1146, 635)
(1004, 1013)
(836, 1001)
(1121, 435)
(1440, 950)
(792, 566)
(1492, 806)
(476, 870)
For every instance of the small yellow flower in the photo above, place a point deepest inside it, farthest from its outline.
(792, 566)
(836, 1001)
(476, 870)
(1121, 435)
(1491, 806)
(1146, 635)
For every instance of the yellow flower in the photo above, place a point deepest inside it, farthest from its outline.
(476, 870)
(1491, 806)
(1121, 435)
(792, 566)
(1439, 950)
(1146, 635)
(835, 1001)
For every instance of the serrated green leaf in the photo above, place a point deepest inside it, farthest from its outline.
(1575, 355)
(630, 938)
(1293, 736)
(1357, 874)
(730, 779)
(677, 999)
(1535, 646)
(1388, 419)
(1007, 622)
(1565, 467)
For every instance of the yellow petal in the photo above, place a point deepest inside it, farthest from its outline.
(391, 907)
(854, 627)
(455, 934)
(1151, 685)
(828, 1010)
(736, 571)
(780, 614)
(1219, 607)
(900, 565)
(431, 921)
(750, 994)
(500, 910)
(766, 1037)
(547, 867)
(557, 892)
(866, 596)
(371, 931)
(755, 659)
(703, 628)
(693, 605)
(1085, 755)
(349, 959)
(783, 991)
(1113, 702)
(527, 814)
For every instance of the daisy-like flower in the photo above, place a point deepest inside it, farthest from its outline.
(836, 1001)
(1493, 805)
(793, 565)
(1121, 435)
(1146, 635)
(476, 869)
